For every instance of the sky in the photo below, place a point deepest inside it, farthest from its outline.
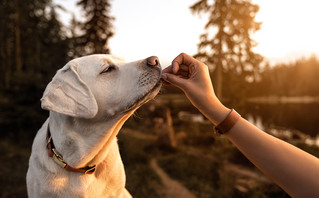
(165, 28)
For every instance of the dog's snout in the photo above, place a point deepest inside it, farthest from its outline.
(152, 61)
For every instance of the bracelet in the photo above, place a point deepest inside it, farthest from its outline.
(227, 123)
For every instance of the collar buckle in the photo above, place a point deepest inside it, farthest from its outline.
(57, 157)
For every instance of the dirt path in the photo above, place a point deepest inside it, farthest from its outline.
(172, 188)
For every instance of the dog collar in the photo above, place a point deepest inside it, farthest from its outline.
(58, 158)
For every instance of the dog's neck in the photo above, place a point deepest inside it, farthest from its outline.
(84, 142)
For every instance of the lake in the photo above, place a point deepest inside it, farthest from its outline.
(289, 117)
(303, 117)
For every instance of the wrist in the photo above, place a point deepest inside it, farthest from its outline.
(218, 113)
(228, 123)
(215, 111)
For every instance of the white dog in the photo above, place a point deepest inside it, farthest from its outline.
(75, 153)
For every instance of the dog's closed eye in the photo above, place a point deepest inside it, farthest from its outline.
(109, 69)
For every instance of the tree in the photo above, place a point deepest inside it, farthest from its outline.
(53, 42)
(21, 25)
(98, 27)
(230, 49)
(75, 28)
(33, 46)
(7, 41)
(294, 79)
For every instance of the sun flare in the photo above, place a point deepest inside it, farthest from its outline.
(289, 28)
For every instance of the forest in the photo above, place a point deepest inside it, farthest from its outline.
(34, 44)
(291, 79)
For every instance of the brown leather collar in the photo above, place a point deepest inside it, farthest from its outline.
(57, 157)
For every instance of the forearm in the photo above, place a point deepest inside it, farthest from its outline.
(294, 170)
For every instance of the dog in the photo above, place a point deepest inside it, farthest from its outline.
(75, 153)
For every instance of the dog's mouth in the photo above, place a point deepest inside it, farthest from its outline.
(145, 97)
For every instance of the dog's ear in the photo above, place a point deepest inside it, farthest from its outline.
(69, 95)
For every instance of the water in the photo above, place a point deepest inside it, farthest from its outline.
(301, 117)
(282, 120)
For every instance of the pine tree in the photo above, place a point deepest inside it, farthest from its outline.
(230, 49)
(33, 46)
(54, 42)
(98, 27)
(75, 28)
(7, 38)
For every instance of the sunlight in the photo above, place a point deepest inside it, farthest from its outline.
(59, 182)
(288, 29)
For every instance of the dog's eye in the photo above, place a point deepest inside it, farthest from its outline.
(109, 69)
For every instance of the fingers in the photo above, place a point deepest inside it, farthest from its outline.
(181, 68)
(182, 73)
(164, 82)
(168, 69)
(184, 68)
(181, 62)
(173, 79)
(182, 59)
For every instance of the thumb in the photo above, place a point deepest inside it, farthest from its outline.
(174, 80)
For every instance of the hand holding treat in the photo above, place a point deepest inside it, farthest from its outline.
(294, 170)
(192, 76)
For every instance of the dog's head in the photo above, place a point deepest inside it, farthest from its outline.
(102, 85)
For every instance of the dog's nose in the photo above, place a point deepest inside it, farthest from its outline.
(152, 61)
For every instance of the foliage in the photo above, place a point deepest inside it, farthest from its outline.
(141, 181)
(97, 29)
(32, 41)
(230, 49)
(200, 176)
(33, 46)
(294, 79)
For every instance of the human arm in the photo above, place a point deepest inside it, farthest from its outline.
(294, 170)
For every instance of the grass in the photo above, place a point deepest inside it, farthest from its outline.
(198, 176)
(141, 181)
(205, 178)
(204, 173)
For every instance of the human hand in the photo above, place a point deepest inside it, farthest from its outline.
(191, 76)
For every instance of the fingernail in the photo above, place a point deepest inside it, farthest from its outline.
(164, 76)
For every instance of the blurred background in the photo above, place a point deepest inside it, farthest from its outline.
(263, 59)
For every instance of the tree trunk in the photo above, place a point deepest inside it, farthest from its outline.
(166, 135)
(2, 59)
(18, 41)
(8, 61)
(218, 83)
